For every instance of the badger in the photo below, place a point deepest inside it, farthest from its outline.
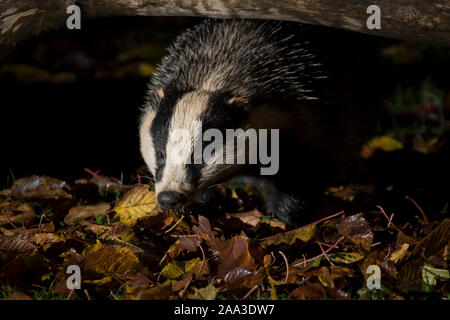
(231, 74)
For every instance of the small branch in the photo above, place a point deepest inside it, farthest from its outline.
(324, 219)
(325, 254)
(389, 221)
(287, 265)
(425, 218)
(326, 251)
(250, 292)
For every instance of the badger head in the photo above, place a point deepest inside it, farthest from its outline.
(171, 129)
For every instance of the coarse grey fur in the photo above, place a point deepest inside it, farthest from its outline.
(241, 74)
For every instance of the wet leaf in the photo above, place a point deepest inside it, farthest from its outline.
(176, 269)
(435, 241)
(85, 212)
(41, 187)
(110, 260)
(304, 234)
(398, 255)
(384, 143)
(346, 257)
(16, 212)
(232, 254)
(431, 274)
(358, 229)
(207, 293)
(161, 292)
(11, 244)
(136, 203)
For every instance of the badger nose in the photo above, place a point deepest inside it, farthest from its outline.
(171, 199)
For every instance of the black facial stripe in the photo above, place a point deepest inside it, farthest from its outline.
(160, 126)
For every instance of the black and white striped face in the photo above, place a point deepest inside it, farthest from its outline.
(168, 134)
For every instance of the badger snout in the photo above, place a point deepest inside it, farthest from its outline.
(171, 199)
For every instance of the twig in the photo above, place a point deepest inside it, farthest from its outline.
(304, 261)
(390, 222)
(250, 292)
(176, 223)
(324, 253)
(287, 265)
(326, 218)
(70, 294)
(87, 294)
(425, 219)
(203, 255)
(375, 244)
(389, 252)
(9, 219)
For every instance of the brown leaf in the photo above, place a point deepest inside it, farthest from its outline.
(358, 229)
(435, 241)
(13, 244)
(16, 212)
(41, 187)
(161, 292)
(309, 291)
(233, 254)
(86, 212)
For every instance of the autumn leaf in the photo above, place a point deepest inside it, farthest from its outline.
(346, 257)
(16, 212)
(135, 204)
(11, 244)
(233, 254)
(398, 255)
(358, 229)
(41, 187)
(207, 293)
(384, 143)
(85, 212)
(304, 234)
(110, 260)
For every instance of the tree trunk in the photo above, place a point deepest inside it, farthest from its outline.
(421, 20)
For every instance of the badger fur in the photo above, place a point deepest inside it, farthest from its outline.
(244, 74)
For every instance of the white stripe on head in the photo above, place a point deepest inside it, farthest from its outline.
(147, 149)
(184, 126)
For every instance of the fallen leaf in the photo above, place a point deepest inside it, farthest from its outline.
(16, 212)
(345, 257)
(233, 254)
(399, 254)
(110, 260)
(358, 229)
(304, 234)
(431, 274)
(435, 241)
(207, 293)
(41, 187)
(85, 212)
(384, 143)
(161, 292)
(135, 204)
(14, 244)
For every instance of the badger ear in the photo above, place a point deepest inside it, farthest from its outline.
(160, 92)
(237, 99)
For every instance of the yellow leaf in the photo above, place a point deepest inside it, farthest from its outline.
(384, 143)
(207, 293)
(304, 234)
(398, 255)
(345, 257)
(431, 274)
(110, 260)
(176, 269)
(135, 204)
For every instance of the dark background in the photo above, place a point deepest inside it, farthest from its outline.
(70, 99)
